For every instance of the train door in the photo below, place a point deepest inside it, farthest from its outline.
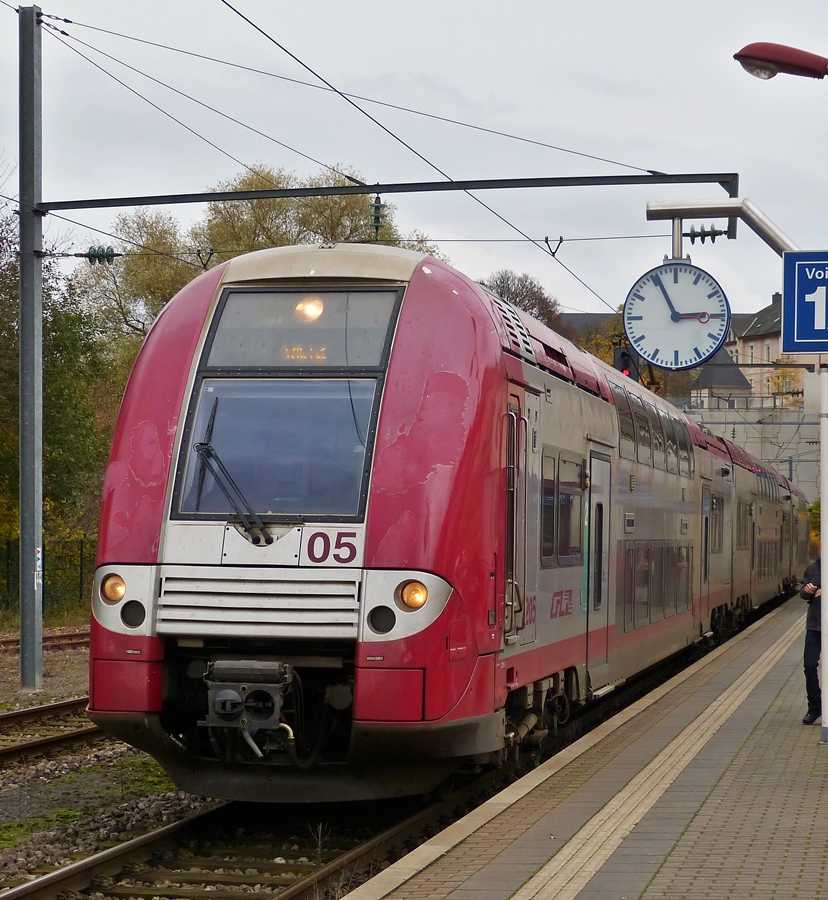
(523, 459)
(704, 568)
(599, 614)
(530, 485)
(753, 587)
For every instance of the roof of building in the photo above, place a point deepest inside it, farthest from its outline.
(739, 323)
(721, 373)
(767, 320)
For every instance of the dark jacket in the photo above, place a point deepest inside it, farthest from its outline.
(813, 575)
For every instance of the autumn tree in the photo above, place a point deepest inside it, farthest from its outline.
(230, 228)
(602, 337)
(786, 382)
(75, 442)
(152, 267)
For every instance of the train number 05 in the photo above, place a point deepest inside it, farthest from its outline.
(342, 551)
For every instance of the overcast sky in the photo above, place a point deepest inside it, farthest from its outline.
(644, 84)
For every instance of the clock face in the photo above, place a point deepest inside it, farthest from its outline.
(676, 316)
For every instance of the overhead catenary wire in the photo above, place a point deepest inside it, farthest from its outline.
(253, 170)
(419, 155)
(387, 104)
(155, 106)
(207, 106)
(356, 106)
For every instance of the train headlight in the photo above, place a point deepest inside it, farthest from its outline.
(113, 588)
(413, 594)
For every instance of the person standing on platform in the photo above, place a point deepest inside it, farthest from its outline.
(812, 591)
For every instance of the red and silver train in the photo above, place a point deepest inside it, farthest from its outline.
(365, 524)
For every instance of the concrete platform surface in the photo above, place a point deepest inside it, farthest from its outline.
(709, 787)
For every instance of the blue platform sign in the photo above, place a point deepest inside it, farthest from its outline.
(805, 302)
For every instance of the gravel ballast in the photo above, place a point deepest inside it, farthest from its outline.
(54, 809)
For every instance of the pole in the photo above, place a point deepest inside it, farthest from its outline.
(31, 352)
(677, 248)
(823, 553)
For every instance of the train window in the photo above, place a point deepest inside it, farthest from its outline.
(570, 511)
(548, 510)
(657, 432)
(656, 582)
(670, 581)
(716, 525)
(684, 598)
(597, 573)
(626, 429)
(293, 446)
(742, 525)
(629, 585)
(642, 584)
(642, 430)
(670, 441)
(685, 448)
(302, 329)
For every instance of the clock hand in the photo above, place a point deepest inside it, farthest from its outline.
(703, 317)
(674, 315)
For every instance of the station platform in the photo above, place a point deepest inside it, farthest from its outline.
(709, 787)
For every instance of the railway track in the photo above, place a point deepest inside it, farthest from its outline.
(64, 641)
(38, 729)
(277, 852)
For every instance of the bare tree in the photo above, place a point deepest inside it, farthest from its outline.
(528, 294)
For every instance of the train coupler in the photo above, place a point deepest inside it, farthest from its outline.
(246, 694)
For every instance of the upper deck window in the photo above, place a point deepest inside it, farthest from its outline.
(626, 429)
(339, 329)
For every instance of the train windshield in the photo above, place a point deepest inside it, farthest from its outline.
(293, 447)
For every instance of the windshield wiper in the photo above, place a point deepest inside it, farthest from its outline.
(248, 517)
(208, 436)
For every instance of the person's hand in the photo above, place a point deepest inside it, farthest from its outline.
(811, 588)
(818, 592)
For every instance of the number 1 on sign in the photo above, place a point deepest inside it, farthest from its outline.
(817, 297)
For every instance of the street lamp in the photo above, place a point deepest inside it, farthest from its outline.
(764, 61)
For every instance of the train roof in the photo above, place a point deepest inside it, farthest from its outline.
(360, 261)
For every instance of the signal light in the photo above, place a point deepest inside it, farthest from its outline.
(624, 360)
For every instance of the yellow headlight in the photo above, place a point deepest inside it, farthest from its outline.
(413, 594)
(113, 588)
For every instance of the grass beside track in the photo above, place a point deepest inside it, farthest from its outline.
(63, 615)
(11, 833)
